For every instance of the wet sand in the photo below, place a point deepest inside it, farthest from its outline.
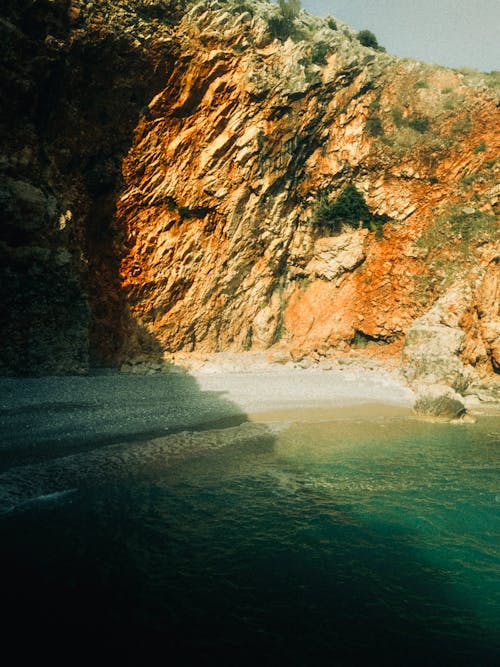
(360, 412)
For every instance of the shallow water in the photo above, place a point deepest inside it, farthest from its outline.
(318, 540)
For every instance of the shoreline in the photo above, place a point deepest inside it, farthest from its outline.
(343, 380)
(61, 432)
(203, 391)
(287, 389)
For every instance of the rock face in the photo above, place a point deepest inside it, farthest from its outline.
(434, 342)
(162, 171)
(333, 257)
(75, 76)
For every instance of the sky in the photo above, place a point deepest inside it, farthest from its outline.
(455, 33)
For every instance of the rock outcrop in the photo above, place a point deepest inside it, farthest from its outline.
(435, 341)
(74, 77)
(162, 172)
(440, 405)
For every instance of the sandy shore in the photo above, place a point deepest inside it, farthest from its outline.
(58, 434)
(75, 413)
(287, 389)
(261, 384)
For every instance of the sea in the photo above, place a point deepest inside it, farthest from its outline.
(308, 538)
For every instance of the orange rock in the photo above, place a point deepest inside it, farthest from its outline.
(193, 208)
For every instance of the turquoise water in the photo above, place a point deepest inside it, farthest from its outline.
(325, 541)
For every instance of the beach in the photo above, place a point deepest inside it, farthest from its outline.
(106, 407)
(59, 433)
(265, 388)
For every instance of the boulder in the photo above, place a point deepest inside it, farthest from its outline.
(434, 342)
(440, 403)
(430, 356)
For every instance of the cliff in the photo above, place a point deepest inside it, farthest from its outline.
(166, 172)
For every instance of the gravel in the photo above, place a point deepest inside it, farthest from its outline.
(58, 434)
(44, 417)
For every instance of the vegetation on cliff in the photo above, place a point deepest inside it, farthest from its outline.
(349, 209)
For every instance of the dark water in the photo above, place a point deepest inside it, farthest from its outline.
(339, 542)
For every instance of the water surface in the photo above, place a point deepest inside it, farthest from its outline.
(322, 539)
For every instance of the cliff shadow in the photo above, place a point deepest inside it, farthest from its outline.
(110, 81)
(78, 83)
(43, 418)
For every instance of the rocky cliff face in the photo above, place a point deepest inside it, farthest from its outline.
(75, 78)
(163, 171)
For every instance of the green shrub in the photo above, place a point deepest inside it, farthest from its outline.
(420, 124)
(281, 26)
(324, 215)
(457, 229)
(289, 9)
(278, 27)
(480, 148)
(367, 38)
(319, 53)
(469, 180)
(397, 117)
(374, 126)
(473, 225)
(348, 209)
(331, 23)
(492, 80)
(350, 206)
(421, 84)
(446, 91)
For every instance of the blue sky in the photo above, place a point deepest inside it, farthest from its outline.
(455, 33)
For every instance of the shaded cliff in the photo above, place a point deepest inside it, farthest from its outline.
(180, 158)
(76, 78)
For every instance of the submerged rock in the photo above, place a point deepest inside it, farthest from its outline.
(440, 403)
(442, 407)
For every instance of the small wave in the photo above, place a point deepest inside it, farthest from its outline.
(49, 498)
(41, 483)
(46, 499)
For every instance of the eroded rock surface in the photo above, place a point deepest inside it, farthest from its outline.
(434, 342)
(161, 170)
